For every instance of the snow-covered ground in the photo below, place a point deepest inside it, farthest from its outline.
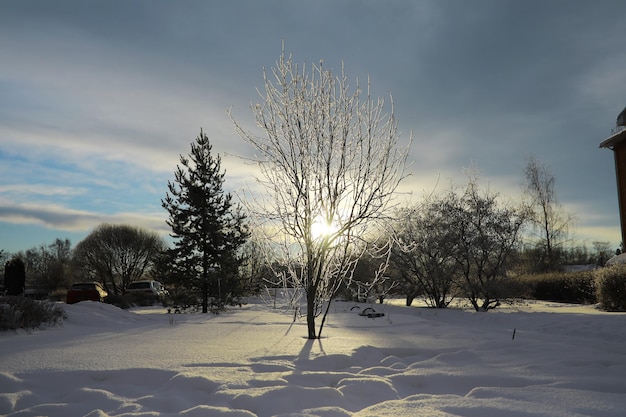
(254, 361)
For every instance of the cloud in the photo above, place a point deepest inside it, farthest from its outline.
(40, 189)
(66, 219)
(97, 101)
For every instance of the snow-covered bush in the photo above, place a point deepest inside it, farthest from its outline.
(611, 287)
(20, 312)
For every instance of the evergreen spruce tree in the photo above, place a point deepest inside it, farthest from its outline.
(207, 227)
(15, 277)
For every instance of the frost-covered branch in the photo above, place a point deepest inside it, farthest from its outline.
(328, 155)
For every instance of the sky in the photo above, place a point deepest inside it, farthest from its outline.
(99, 99)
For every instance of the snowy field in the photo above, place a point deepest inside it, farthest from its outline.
(254, 361)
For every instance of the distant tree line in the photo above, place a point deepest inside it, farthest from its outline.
(466, 242)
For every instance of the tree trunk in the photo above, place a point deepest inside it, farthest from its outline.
(409, 300)
(310, 312)
(319, 335)
(205, 297)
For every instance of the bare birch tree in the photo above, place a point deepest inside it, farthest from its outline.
(550, 222)
(330, 167)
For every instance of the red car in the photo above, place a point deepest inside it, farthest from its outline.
(85, 291)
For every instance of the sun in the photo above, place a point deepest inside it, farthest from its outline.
(322, 228)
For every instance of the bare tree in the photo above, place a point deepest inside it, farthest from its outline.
(48, 265)
(329, 162)
(550, 222)
(602, 252)
(487, 235)
(253, 264)
(116, 255)
(424, 253)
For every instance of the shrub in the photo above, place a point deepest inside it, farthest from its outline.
(20, 312)
(611, 287)
(514, 288)
(182, 300)
(119, 300)
(57, 295)
(143, 300)
(563, 287)
(126, 301)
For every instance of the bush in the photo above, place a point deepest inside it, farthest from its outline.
(126, 301)
(119, 300)
(183, 300)
(143, 300)
(562, 287)
(57, 295)
(514, 288)
(20, 312)
(611, 287)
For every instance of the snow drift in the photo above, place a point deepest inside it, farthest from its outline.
(253, 361)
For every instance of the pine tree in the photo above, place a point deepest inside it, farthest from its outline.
(15, 277)
(207, 227)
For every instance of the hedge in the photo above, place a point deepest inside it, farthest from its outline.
(563, 287)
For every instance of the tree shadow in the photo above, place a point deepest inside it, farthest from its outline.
(307, 349)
